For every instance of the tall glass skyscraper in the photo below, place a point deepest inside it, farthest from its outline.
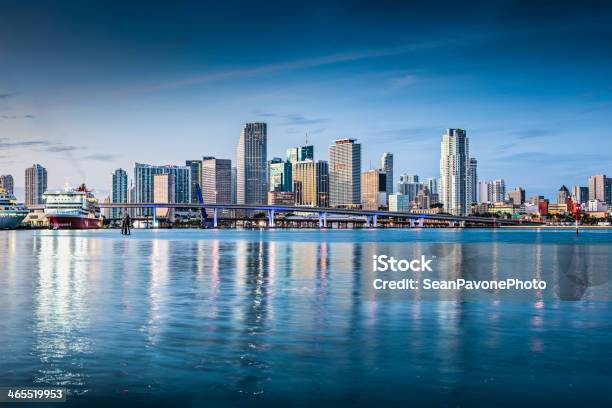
(252, 165)
(195, 173)
(386, 165)
(345, 173)
(35, 184)
(119, 191)
(280, 175)
(454, 156)
(144, 184)
(300, 153)
(472, 182)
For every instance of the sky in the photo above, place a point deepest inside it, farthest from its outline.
(88, 87)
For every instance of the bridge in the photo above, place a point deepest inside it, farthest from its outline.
(371, 216)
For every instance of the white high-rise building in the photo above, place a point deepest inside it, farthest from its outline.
(485, 192)
(252, 164)
(35, 184)
(386, 165)
(345, 173)
(454, 156)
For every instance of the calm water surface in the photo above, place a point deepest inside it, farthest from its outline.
(261, 318)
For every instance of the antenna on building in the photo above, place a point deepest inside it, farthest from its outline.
(306, 139)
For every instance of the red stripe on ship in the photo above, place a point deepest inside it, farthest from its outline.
(73, 222)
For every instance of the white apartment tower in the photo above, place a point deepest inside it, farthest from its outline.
(454, 157)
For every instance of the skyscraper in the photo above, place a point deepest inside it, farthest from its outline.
(600, 188)
(35, 184)
(311, 183)
(454, 153)
(386, 164)
(7, 183)
(280, 175)
(300, 153)
(195, 174)
(345, 173)
(409, 186)
(373, 189)
(234, 185)
(563, 195)
(164, 192)
(580, 194)
(485, 192)
(517, 196)
(472, 181)
(119, 191)
(217, 181)
(251, 164)
(499, 191)
(144, 184)
(432, 184)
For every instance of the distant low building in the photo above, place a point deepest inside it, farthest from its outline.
(596, 206)
(557, 209)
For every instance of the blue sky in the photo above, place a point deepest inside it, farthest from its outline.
(85, 89)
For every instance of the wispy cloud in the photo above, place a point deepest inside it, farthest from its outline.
(16, 117)
(292, 118)
(8, 94)
(101, 157)
(402, 81)
(38, 145)
(314, 62)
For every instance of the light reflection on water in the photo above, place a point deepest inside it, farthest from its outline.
(251, 317)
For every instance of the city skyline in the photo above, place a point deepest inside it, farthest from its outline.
(529, 84)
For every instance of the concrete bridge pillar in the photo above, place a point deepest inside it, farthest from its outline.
(421, 222)
(451, 224)
(462, 224)
(271, 219)
(320, 220)
(368, 221)
(324, 220)
(411, 223)
(154, 218)
(215, 217)
(375, 220)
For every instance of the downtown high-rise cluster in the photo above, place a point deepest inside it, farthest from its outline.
(302, 180)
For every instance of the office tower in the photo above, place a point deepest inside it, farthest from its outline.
(311, 183)
(485, 192)
(252, 163)
(195, 175)
(517, 196)
(499, 191)
(164, 191)
(563, 195)
(132, 198)
(472, 181)
(399, 203)
(107, 212)
(386, 164)
(119, 191)
(432, 184)
(373, 189)
(423, 199)
(580, 194)
(7, 183)
(280, 175)
(300, 153)
(600, 188)
(144, 184)
(234, 185)
(345, 173)
(35, 184)
(217, 181)
(454, 153)
(409, 186)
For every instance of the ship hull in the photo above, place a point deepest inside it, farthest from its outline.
(61, 222)
(10, 222)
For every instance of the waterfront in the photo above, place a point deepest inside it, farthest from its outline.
(234, 317)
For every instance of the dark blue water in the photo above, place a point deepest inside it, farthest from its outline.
(266, 318)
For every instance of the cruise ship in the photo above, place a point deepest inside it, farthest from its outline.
(72, 209)
(11, 213)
